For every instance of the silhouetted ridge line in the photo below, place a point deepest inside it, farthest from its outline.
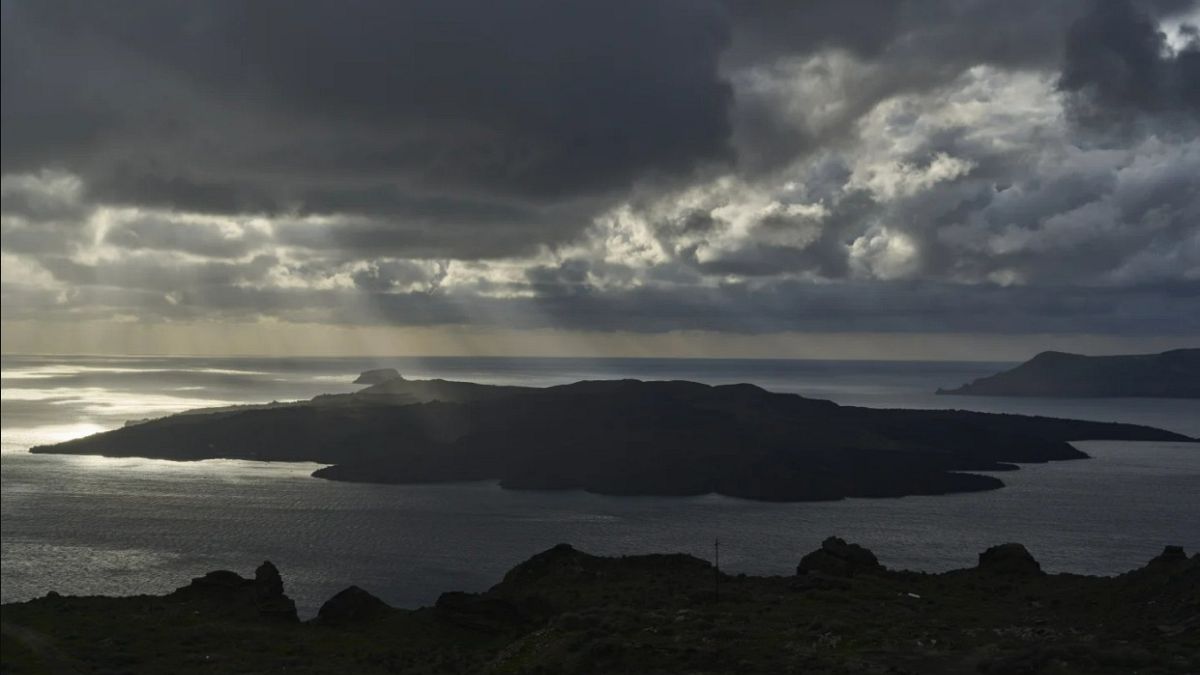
(567, 611)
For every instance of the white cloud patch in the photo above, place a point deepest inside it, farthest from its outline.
(889, 181)
(884, 254)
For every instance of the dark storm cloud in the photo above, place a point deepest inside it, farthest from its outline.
(326, 107)
(877, 306)
(429, 227)
(1019, 32)
(152, 274)
(896, 165)
(1118, 63)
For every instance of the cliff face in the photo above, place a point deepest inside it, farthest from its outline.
(565, 611)
(621, 437)
(1173, 374)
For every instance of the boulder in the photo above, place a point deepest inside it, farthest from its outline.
(1009, 559)
(838, 558)
(378, 376)
(351, 605)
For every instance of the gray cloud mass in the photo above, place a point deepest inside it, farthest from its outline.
(746, 167)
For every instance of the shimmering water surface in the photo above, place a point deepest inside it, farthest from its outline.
(120, 526)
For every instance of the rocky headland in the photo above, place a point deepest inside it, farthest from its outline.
(1173, 374)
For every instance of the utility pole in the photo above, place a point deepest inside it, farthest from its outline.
(717, 570)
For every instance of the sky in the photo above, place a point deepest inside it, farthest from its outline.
(831, 178)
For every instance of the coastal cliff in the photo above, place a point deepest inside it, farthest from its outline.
(565, 611)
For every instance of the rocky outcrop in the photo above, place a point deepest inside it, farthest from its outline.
(218, 582)
(838, 558)
(268, 589)
(267, 581)
(378, 376)
(229, 592)
(1171, 555)
(1009, 559)
(351, 605)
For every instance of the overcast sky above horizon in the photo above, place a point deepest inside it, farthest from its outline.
(846, 178)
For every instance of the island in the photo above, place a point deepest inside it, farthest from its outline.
(566, 611)
(619, 437)
(378, 376)
(1173, 374)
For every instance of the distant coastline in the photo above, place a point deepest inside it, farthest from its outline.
(1171, 374)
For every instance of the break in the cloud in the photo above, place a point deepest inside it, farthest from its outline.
(644, 167)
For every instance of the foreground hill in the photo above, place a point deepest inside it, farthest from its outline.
(564, 611)
(1173, 374)
(619, 437)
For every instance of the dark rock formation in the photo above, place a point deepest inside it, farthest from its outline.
(837, 558)
(229, 592)
(268, 587)
(219, 581)
(351, 605)
(378, 376)
(1173, 374)
(267, 580)
(1008, 559)
(1171, 555)
(623, 437)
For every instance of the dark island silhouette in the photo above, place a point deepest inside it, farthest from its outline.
(619, 437)
(1173, 374)
(565, 611)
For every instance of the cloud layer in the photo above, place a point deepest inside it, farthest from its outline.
(980, 166)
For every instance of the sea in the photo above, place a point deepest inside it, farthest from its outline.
(85, 525)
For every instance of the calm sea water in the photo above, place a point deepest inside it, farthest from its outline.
(86, 525)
